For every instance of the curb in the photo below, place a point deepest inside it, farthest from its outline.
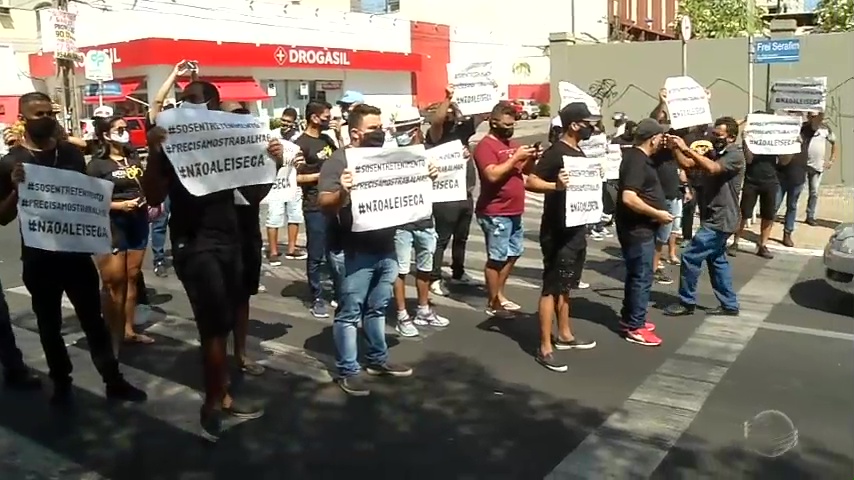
(804, 252)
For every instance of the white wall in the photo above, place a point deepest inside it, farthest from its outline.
(386, 90)
(233, 21)
(19, 30)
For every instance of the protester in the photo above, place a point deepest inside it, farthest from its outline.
(621, 121)
(316, 149)
(501, 165)
(453, 219)
(419, 236)
(281, 214)
(370, 266)
(641, 210)
(816, 135)
(116, 162)
(46, 274)
(206, 242)
(564, 249)
(699, 139)
(346, 103)
(720, 200)
(16, 374)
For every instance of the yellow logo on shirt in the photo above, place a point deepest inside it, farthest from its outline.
(702, 146)
(134, 172)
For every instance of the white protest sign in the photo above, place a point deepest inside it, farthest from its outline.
(772, 134)
(450, 185)
(475, 86)
(285, 187)
(390, 187)
(687, 103)
(569, 93)
(799, 94)
(584, 192)
(612, 161)
(64, 211)
(595, 148)
(212, 150)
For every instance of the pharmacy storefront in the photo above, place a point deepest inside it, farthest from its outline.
(267, 77)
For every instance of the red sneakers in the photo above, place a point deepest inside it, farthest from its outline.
(643, 336)
(648, 325)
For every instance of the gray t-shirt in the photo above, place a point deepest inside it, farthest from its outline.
(721, 191)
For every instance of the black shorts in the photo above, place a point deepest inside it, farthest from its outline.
(251, 256)
(212, 281)
(766, 195)
(564, 253)
(129, 231)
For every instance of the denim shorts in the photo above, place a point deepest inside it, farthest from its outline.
(662, 235)
(504, 236)
(281, 214)
(422, 241)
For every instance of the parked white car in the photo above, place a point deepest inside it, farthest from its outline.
(839, 258)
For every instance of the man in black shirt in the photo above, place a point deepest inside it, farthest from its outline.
(46, 274)
(370, 266)
(699, 140)
(668, 175)
(206, 246)
(453, 219)
(564, 248)
(641, 210)
(793, 178)
(316, 148)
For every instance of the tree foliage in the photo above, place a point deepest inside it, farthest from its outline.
(835, 15)
(721, 18)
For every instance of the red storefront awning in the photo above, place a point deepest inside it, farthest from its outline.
(235, 89)
(116, 91)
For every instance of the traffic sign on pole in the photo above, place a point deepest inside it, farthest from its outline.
(784, 50)
(686, 28)
(98, 66)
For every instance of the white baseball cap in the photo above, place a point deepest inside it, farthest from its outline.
(103, 111)
(406, 115)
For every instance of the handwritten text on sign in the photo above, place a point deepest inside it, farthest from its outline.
(285, 187)
(475, 86)
(612, 161)
(799, 94)
(450, 185)
(687, 103)
(64, 211)
(213, 151)
(569, 93)
(391, 187)
(772, 134)
(584, 192)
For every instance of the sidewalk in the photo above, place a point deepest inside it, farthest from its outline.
(835, 206)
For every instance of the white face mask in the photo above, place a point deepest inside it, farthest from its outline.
(123, 138)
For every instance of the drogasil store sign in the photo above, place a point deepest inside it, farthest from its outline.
(311, 56)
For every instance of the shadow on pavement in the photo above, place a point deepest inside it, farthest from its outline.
(816, 294)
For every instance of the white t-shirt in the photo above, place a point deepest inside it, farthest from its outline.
(817, 150)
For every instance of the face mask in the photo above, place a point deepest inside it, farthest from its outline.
(123, 138)
(719, 144)
(404, 139)
(375, 138)
(40, 129)
(502, 132)
(323, 125)
(345, 115)
(287, 132)
(585, 132)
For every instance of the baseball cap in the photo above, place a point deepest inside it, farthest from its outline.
(103, 112)
(406, 115)
(352, 96)
(577, 112)
(648, 128)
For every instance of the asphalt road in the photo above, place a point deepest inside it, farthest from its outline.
(478, 406)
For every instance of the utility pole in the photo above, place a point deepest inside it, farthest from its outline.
(751, 52)
(67, 85)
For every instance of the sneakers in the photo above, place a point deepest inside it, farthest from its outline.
(763, 252)
(464, 279)
(274, 260)
(355, 386)
(647, 325)
(661, 278)
(549, 361)
(574, 344)
(437, 288)
(642, 336)
(122, 391)
(161, 270)
(243, 409)
(389, 370)
(594, 235)
(211, 424)
(318, 309)
(604, 232)
(405, 327)
(297, 254)
(427, 317)
(582, 285)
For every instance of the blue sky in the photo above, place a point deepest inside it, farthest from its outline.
(809, 5)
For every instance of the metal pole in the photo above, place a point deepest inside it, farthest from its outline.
(684, 57)
(100, 93)
(751, 50)
(67, 86)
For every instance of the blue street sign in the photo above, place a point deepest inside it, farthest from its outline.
(785, 50)
(108, 89)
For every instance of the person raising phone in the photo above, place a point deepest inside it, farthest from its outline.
(116, 162)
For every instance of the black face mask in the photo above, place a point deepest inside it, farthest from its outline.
(504, 133)
(287, 132)
(323, 125)
(41, 129)
(375, 138)
(585, 132)
(719, 144)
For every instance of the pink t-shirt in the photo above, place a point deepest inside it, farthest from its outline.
(507, 197)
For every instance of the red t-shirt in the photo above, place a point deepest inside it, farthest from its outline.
(507, 197)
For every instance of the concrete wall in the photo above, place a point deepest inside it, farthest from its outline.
(627, 77)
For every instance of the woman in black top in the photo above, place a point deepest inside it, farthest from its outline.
(117, 162)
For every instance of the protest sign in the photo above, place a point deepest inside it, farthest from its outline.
(584, 192)
(475, 86)
(569, 93)
(391, 187)
(595, 147)
(285, 186)
(450, 185)
(64, 211)
(687, 103)
(612, 162)
(213, 151)
(772, 134)
(799, 94)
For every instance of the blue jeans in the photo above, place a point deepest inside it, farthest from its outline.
(336, 264)
(637, 255)
(792, 194)
(316, 224)
(158, 234)
(710, 246)
(365, 294)
(813, 182)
